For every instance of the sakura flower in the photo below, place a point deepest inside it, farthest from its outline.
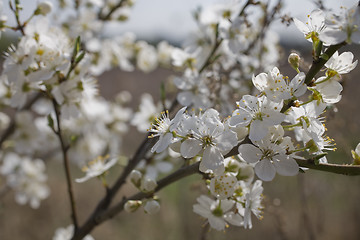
(340, 64)
(329, 89)
(185, 58)
(313, 27)
(27, 177)
(146, 59)
(253, 198)
(195, 92)
(270, 156)
(257, 113)
(164, 127)
(210, 135)
(96, 168)
(223, 186)
(218, 213)
(343, 27)
(147, 112)
(307, 119)
(277, 87)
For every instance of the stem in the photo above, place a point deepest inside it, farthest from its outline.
(110, 213)
(209, 61)
(350, 170)
(112, 10)
(64, 149)
(16, 13)
(320, 62)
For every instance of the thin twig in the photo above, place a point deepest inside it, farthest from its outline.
(112, 10)
(64, 149)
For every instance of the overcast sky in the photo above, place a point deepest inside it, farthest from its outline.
(172, 18)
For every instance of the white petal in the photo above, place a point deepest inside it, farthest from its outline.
(240, 118)
(217, 223)
(301, 26)
(226, 141)
(258, 130)
(212, 160)
(185, 98)
(286, 166)
(260, 81)
(190, 147)
(332, 36)
(249, 153)
(265, 170)
(163, 142)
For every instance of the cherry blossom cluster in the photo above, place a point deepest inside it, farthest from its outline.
(235, 115)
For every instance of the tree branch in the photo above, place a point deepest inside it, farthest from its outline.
(110, 213)
(350, 170)
(320, 62)
(64, 149)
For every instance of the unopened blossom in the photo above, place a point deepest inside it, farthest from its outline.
(356, 154)
(148, 185)
(210, 136)
(313, 27)
(96, 168)
(151, 207)
(43, 8)
(132, 205)
(218, 213)
(257, 113)
(67, 233)
(342, 27)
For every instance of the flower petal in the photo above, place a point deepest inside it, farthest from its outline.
(265, 170)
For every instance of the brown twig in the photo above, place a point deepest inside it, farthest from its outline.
(64, 149)
(110, 213)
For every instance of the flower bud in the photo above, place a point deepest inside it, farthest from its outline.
(294, 60)
(132, 205)
(152, 207)
(148, 185)
(356, 155)
(43, 8)
(135, 177)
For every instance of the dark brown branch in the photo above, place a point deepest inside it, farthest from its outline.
(110, 213)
